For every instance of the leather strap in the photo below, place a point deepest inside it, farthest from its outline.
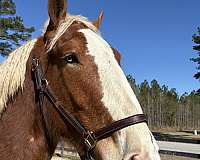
(89, 138)
(118, 125)
(66, 116)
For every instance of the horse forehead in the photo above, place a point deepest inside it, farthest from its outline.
(97, 47)
(108, 68)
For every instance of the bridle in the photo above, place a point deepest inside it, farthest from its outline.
(89, 138)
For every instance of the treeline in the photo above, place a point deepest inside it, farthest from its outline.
(165, 108)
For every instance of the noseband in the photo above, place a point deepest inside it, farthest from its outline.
(89, 138)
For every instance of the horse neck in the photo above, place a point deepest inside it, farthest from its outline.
(22, 132)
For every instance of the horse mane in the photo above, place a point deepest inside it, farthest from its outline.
(12, 72)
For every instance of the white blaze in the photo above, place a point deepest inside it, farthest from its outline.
(118, 96)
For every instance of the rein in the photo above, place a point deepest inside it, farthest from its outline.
(89, 138)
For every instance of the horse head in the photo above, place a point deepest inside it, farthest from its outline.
(84, 72)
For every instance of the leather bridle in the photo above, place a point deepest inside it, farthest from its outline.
(89, 138)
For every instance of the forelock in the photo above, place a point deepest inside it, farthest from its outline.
(64, 25)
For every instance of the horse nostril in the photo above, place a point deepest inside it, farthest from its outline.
(134, 158)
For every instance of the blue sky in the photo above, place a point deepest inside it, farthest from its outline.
(154, 37)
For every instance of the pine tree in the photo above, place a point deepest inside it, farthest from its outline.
(155, 92)
(144, 99)
(133, 85)
(165, 108)
(196, 40)
(12, 30)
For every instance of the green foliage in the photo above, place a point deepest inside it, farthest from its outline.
(165, 108)
(133, 84)
(196, 40)
(155, 89)
(144, 94)
(12, 29)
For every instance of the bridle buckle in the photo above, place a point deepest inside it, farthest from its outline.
(90, 140)
(35, 64)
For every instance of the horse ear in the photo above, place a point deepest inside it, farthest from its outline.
(57, 11)
(98, 21)
(117, 56)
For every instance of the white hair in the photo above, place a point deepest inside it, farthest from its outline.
(12, 72)
(64, 25)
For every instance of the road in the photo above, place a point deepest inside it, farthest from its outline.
(179, 147)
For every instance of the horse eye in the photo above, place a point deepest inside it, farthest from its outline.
(71, 59)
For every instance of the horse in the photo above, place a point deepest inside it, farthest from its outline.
(67, 82)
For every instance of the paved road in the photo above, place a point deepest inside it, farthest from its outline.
(179, 147)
